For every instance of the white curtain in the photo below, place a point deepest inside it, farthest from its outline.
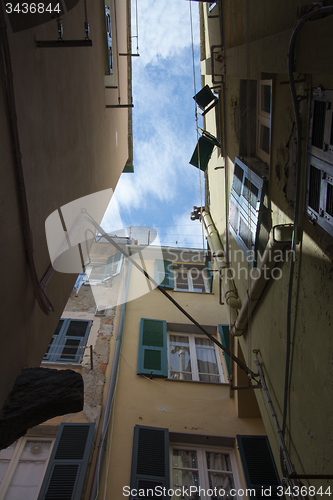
(180, 360)
(183, 478)
(206, 358)
(29, 471)
(219, 462)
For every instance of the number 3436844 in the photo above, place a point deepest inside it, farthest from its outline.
(32, 8)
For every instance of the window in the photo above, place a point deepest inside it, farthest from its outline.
(194, 358)
(319, 201)
(154, 460)
(189, 278)
(109, 38)
(184, 277)
(246, 208)
(22, 467)
(99, 272)
(69, 341)
(264, 119)
(199, 467)
(176, 355)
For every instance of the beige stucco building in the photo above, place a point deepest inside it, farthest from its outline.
(65, 133)
(253, 183)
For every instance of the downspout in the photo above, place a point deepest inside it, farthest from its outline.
(280, 238)
(229, 291)
(111, 389)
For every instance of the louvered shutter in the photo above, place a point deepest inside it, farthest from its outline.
(245, 209)
(152, 356)
(150, 461)
(258, 465)
(225, 337)
(71, 341)
(163, 273)
(66, 470)
(52, 349)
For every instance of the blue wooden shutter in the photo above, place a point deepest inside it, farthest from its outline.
(152, 357)
(66, 470)
(71, 341)
(225, 337)
(150, 460)
(258, 465)
(164, 268)
(209, 274)
(52, 349)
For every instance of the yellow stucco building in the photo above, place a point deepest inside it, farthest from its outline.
(161, 417)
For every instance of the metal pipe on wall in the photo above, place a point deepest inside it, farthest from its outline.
(229, 291)
(111, 390)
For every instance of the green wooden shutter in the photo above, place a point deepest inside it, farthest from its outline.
(225, 337)
(209, 274)
(67, 467)
(152, 357)
(150, 461)
(258, 465)
(164, 268)
(203, 151)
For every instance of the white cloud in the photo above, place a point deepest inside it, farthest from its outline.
(112, 221)
(158, 170)
(164, 126)
(164, 28)
(182, 232)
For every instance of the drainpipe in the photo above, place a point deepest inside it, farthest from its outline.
(280, 237)
(229, 291)
(111, 389)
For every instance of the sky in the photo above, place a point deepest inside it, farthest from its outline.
(164, 187)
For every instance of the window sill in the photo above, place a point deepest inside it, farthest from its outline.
(58, 364)
(197, 382)
(189, 291)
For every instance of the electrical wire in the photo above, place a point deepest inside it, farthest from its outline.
(240, 363)
(110, 435)
(196, 119)
(291, 62)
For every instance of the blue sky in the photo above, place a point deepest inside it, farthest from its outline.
(164, 186)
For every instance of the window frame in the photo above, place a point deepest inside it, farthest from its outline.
(202, 466)
(245, 211)
(15, 459)
(57, 342)
(109, 47)
(263, 118)
(189, 279)
(193, 356)
(321, 159)
(108, 269)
